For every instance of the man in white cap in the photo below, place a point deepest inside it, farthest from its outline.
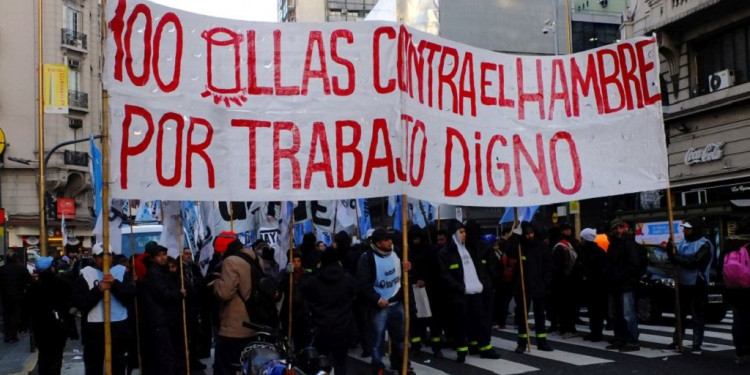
(88, 296)
(693, 258)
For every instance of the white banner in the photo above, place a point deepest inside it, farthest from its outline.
(208, 108)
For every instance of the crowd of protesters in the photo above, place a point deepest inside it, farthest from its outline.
(349, 295)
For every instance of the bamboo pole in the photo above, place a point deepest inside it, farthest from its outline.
(291, 276)
(356, 216)
(135, 277)
(231, 216)
(677, 309)
(405, 256)
(105, 209)
(335, 214)
(40, 131)
(523, 287)
(184, 297)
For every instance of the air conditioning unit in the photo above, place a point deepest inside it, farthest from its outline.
(721, 80)
(74, 64)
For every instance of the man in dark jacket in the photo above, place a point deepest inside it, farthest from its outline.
(622, 272)
(47, 311)
(593, 259)
(88, 294)
(566, 280)
(330, 295)
(194, 284)
(464, 266)
(537, 275)
(379, 282)
(162, 302)
(14, 278)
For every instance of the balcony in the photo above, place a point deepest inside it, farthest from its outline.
(78, 101)
(74, 40)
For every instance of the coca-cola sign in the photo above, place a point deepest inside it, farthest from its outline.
(712, 152)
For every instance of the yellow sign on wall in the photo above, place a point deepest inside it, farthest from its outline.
(55, 88)
(575, 207)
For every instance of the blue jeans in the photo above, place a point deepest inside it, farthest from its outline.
(391, 318)
(624, 318)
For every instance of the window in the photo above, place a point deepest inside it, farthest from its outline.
(73, 77)
(72, 19)
(587, 35)
(726, 50)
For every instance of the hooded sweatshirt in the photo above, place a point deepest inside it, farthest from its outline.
(471, 280)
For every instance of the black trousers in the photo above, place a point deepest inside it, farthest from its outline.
(50, 354)
(740, 301)
(597, 305)
(693, 300)
(11, 318)
(362, 319)
(93, 357)
(472, 321)
(338, 355)
(539, 316)
(503, 296)
(227, 354)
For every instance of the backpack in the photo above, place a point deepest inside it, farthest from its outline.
(260, 306)
(737, 269)
(508, 264)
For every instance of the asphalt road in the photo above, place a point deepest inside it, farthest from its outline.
(571, 356)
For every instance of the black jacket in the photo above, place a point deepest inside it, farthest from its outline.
(162, 299)
(452, 271)
(47, 308)
(85, 299)
(622, 264)
(14, 279)
(330, 297)
(366, 275)
(537, 266)
(593, 261)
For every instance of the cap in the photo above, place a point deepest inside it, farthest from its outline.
(369, 233)
(223, 239)
(588, 234)
(616, 223)
(379, 235)
(155, 250)
(97, 249)
(687, 225)
(564, 226)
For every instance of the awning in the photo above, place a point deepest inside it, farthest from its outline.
(741, 202)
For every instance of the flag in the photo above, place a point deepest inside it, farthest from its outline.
(524, 214)
(119, 209)
(394, 209)
(96, 173)
(363, 211)
(64, 231)
(171, 229)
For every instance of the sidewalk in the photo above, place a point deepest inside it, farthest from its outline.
(16, 359)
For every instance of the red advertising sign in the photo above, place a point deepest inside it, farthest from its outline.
(67, 207)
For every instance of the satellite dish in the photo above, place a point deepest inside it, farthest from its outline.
(32, 241)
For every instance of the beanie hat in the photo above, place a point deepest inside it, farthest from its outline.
(588, 234)
(43, 263)
(155, 250)
(223, 240)
(379, 234)
(234, 246)
(150, 246)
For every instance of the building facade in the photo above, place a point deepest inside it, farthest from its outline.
(71, 38)
(705, 79)
(324, 10)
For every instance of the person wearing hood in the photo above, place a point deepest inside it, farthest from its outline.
(300, 311)
(310, 253)
(47, 311)
(330, 296)
(537, 276)
(465, 268)
(88, 297)
(419, 253)
(693, 256)
(379, 283)
(14, 279)
(162, 302)
(593, 258)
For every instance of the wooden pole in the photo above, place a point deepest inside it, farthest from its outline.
(40, 130)
(335, 214)
(231, 216)
(135, 278)
(405, 284)
(523, 287)
(677, 312)
(184, 297)
(105, 209)
(356, 214)
(291, 276)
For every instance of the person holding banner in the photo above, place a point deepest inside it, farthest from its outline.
(537, 276)
(465, 268)
(88, 294)
(379, 281)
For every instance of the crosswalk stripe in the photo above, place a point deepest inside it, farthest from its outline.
(418, 368)
(578, 341)
(726, 327)
(498, 366)
(727, 319)
(557, 355)
(666, 340)
(689, 331)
